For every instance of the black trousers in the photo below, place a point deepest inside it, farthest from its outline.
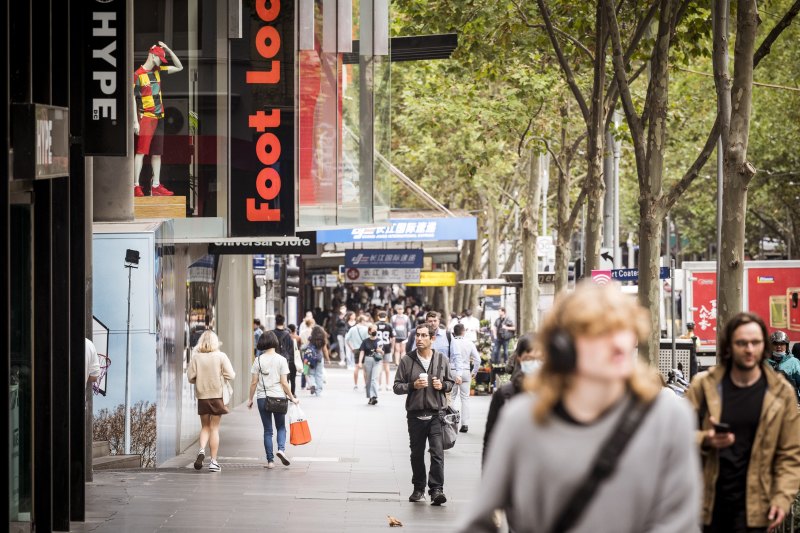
(731, 518)
(420, 432)
(292, 374)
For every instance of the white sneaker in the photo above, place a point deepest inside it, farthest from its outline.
(270, 465)
(282, 456)
(214, 466)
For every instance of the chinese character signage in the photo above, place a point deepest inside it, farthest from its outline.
(261, 192)
(105, 123)
(402, 230)
(381, 275)
(704, 300)
(383, 259)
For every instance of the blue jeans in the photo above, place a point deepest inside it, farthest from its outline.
(372, 371)
(280, 425)
(317, 378)
(498, 344)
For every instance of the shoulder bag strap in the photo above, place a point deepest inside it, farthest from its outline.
(439, 376)
(261, 374)
(604, 464)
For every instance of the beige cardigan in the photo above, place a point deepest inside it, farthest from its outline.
(207, 371)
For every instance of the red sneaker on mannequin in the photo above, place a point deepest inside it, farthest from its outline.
(137, 192)
(160, 190)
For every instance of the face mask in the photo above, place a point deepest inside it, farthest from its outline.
(529, 367)
(778, 355)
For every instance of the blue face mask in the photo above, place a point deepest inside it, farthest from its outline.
(529, 367)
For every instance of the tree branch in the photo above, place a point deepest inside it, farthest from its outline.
(576, 207)
(622, 82)
(773, 35)
(680, 187)
(562, 60)
(522, 138)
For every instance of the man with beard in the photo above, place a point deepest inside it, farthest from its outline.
(749, 436)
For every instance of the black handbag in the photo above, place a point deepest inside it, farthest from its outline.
(277, 405)
(272, 405)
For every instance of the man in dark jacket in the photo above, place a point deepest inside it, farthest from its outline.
(424, 376)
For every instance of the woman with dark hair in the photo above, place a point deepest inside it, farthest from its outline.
(317, 354)
(526, 361)
(269, 372)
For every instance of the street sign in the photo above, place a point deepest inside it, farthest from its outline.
(435, 279)
(601, 277)
(383, 258)
(382, 275)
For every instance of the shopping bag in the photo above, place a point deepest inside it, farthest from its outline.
(450, 419)
(227, 392)
(299, 433)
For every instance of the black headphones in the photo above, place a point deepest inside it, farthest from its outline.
(561, 352)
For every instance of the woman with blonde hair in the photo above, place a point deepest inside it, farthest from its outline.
(209, 370)
(593, 446)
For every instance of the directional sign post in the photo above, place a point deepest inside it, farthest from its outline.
(624, 274)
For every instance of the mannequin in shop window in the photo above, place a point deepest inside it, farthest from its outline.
(148, 109)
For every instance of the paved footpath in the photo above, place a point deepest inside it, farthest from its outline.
(354, 473)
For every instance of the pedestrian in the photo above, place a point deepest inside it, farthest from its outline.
(424, 376)
(286, 348)
(319, 350)
(208, 370)
(467, 353)
(401, 323)
(257, 331)
(355, 336)
(269, 384)
(690, 334)
(386, 336)
(341, 330)
(527, 360)
(502, 332)
(782, 361)
(370, 354)
(595, 447)
(298, 342)
(306, 324)
(350, 322)
(471, 326)
(442, 340)
(92, 366)
(454, 319)
(749, 433)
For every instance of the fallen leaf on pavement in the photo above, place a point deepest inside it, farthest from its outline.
(394, 522)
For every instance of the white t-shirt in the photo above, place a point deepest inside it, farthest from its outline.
(471, 327)
(272, 367)
(92, 366)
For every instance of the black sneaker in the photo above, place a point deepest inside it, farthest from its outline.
(438, 498)
(416, 496)
(464, 429)
(198, 463)
(374, 401)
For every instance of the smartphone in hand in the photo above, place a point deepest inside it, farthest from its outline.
(722, 427)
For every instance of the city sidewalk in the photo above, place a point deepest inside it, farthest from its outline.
(353, 474)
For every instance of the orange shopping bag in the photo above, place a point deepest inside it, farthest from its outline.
(299, 433)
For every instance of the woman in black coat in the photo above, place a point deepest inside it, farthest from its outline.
(525, 361)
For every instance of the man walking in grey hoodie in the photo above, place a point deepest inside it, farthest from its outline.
(424, 376)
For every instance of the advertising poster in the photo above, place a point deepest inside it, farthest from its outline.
(704, 300)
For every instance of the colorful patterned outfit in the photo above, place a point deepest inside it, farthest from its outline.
(147, 91)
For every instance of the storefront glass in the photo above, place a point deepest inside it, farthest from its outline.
(20, 388)
(193, 100)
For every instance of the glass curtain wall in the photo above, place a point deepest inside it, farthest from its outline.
(343, 102)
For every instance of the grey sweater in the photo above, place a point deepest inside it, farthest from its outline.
(532, 470)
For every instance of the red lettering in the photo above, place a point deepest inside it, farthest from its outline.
(268, 33)
(268, 183)
(261, 121)
(268, 14)
(271, 76)
(268, 157)
(262, 213)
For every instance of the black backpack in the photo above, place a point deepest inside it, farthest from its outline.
(285, 343)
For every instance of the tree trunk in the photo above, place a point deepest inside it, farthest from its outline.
(471, 301)
(737, 171)
(530, 268)
(493, 240)
(649, 282)
(563, 232)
